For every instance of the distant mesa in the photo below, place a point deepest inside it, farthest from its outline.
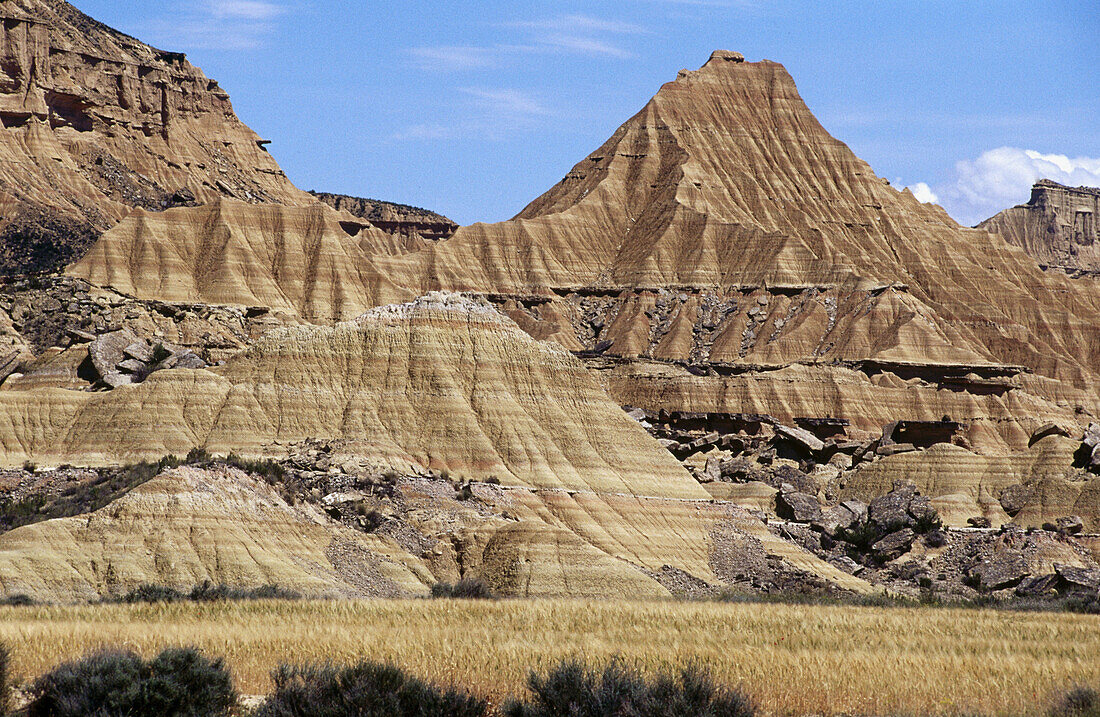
(392, 217)
(1058, 226)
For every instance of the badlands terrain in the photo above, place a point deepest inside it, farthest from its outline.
(719, 367)
(720, 355)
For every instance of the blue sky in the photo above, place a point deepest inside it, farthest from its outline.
(474, 108)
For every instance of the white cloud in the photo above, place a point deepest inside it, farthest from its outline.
(1002, 177)
(923, 193)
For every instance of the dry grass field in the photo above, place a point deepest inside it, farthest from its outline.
(792, 659)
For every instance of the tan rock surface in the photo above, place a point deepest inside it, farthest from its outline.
(96, 122)
(444, 383)
(190, 526)
(964, 485)
(1059, 226)
(309, 261)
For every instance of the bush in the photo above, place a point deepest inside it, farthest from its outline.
(153, 593)
(18, 600)
(208, 592)
(178, 682)
(1078, 702)
(366, 690)
(464, 589)
(572, 689)
(5, 679)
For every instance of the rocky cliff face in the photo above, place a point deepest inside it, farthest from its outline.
(391, 217)
(95, 122)
(1058, 226)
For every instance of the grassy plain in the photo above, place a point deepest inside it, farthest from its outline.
(793, 659)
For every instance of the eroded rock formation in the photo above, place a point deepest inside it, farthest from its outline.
(96, 122)
(1058, 226)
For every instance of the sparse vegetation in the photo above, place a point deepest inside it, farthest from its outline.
(207, 592)
(5, 679)
(489, 647)
(573, 689)
(179, 681)
(107, 485)
(1077, 702)
(367, 689)
(464, 589)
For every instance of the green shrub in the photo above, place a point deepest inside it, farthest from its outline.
(5, 679)
(153, 593)
(1077, 702)
(18, 600)
(209, 592)
(178, 682)
(365, 690)
(465, 589)
(571, 689)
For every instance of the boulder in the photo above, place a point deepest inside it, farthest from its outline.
(1092, 435)
(1038, 586)
(698, 444)
(979, 521)
(132, 366)
(890, 512)
(843, 461)
(797, 507)
(712, 471)
(1067, 525)
(114, 379)
(800, 437)
(894, 544)
(895, 448)
(1078, 580)
(923, 513)
(139, 351)
(1070, 525)
(109, 349)
(857, 508)
(836, 519)
(80, 337)
(1015, 498)
(1047, 429)
(184, 358)
(789, 474)
(738, 470)
(1005, 569)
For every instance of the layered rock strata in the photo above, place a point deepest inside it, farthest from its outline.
(96, 122)
(1058, 226)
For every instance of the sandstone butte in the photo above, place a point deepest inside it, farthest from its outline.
(1058, 226)
(721, 256)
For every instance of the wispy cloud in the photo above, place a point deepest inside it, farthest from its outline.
(246, 9)
(575, 23)
(508, 102)
(488, 112)
(568, 34)
(453, 57)
(217, 24)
